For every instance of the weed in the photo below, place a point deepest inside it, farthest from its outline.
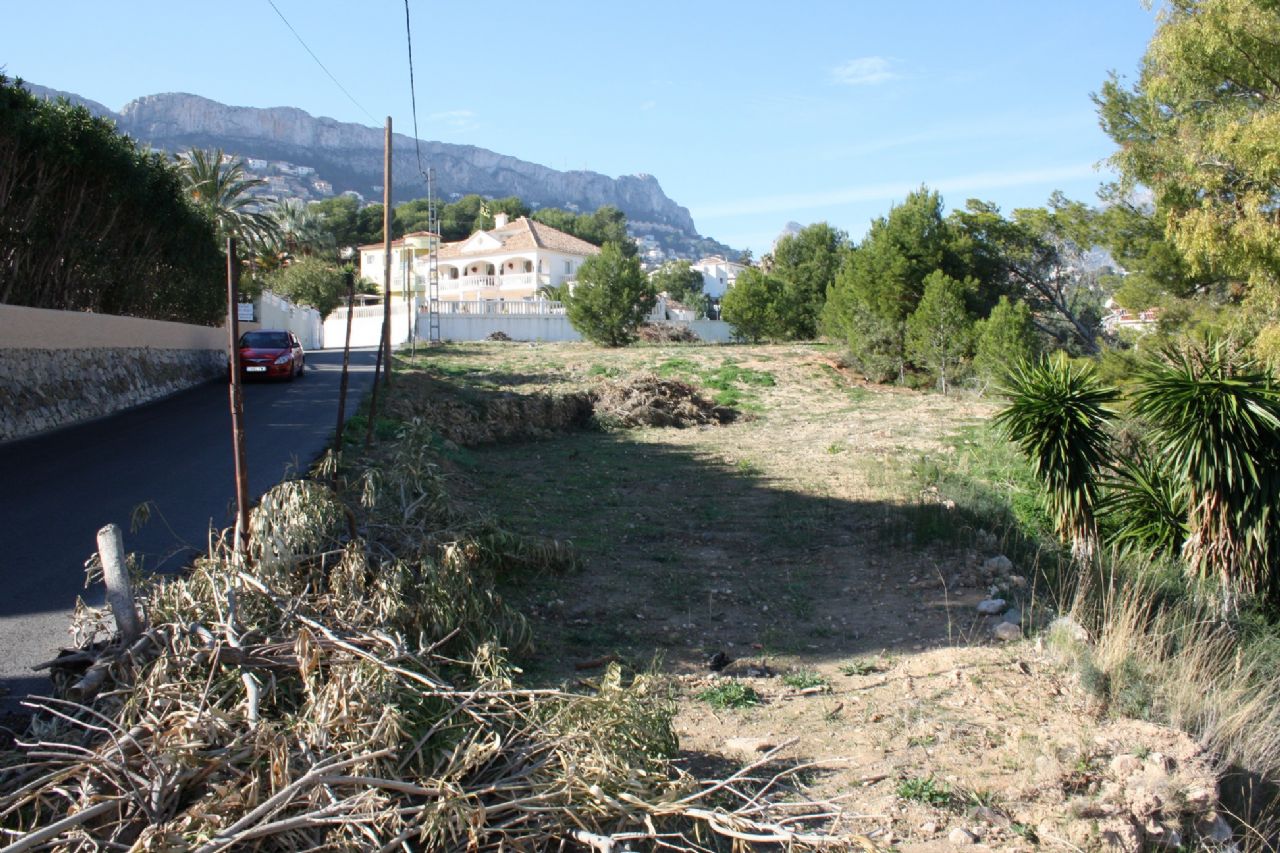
(604, 370)
(861, 667)
(922, 740)
(1025, 831)
(731, 694)
(747, 468)
(835, 448)
(927, 790)
(802, 679)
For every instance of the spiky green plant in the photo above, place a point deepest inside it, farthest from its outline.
(1147, 505)
(1216, 421)
(1056, 415)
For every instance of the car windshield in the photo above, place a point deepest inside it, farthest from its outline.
(264, 340)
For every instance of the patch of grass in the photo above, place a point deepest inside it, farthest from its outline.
(748, 468)
(731, 694)
(862, 667)
(604, 370)
(922, 740)
(802, 679)
(927, 790)
(835, 448)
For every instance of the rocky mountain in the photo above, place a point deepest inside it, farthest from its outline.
(347, 156)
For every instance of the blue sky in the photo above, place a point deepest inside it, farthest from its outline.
(749, 114)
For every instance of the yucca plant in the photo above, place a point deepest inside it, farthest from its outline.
(1146, 505)
(1215, 419)
(1056, 415)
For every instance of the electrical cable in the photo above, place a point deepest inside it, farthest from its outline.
(321, 64)
(413, 96)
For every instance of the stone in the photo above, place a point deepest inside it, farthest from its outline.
(748, 745)
(1123, 766)
(1121, 835)
(1017, 582)
(1013, 615)
(1070, 628)
(961, 837)
(1007, 632)
(1213, 828)
(999, 565)
(992, 606)
(928, 827)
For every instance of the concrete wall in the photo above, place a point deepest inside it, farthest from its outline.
(277, 313)
(544, 327)
(366, 326)
(61, 367)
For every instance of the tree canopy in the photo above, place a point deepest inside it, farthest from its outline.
(90, 222)
(1201, 129)
(611, 298)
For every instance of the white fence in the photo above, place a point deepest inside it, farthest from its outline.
(366, 325)
(538, 321)
(277, 313)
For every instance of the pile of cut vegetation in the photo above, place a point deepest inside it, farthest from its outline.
(648, 400)
(342, 685)
(666, 333)
(482, 416)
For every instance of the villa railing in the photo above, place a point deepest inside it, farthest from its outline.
(495, 307)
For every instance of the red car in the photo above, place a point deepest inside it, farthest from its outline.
(271, 354)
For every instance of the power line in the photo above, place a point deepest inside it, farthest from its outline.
(413, 97)
(318, 62)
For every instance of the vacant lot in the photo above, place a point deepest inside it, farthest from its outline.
(780, 569)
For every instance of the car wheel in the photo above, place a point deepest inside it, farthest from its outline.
(302, 369)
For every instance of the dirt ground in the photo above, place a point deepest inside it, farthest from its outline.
(771, 567)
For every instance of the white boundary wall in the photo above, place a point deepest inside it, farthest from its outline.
(275, 312)
(366, 326)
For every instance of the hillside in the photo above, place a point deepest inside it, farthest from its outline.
(324, 157)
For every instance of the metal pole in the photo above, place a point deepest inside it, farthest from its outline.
(241, 544)
(346, 359)
(386, 245)
(373, 401)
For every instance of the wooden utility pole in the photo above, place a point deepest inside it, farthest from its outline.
(386, 264)
(237, 401)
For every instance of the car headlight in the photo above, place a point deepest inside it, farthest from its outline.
(285, 359)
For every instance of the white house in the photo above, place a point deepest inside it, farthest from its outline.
(509, 262)
(718, 274)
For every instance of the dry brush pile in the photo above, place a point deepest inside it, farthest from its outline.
(343, 685)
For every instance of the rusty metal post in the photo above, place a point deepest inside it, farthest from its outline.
(386, 248)
(237, 401)
(373, 401)
(346, 359)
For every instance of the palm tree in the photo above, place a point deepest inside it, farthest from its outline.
(302, 230)
(219, 189)
(1056, 415)
(1216, 421)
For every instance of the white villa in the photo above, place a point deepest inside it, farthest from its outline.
(718, 274)
(509, 262)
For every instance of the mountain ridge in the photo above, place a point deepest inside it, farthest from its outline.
(349, 156)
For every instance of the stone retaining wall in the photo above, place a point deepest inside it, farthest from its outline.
(43, 389)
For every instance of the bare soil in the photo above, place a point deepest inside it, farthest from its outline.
(782, 546)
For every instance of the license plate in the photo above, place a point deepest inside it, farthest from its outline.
(255, 370)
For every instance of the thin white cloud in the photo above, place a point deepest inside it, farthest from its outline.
(648, 105)
(454, 118)
(863, 71)
(976, 183)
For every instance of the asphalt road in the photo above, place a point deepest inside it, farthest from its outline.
(58, 489)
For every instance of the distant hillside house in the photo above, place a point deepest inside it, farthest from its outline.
(509, 262)
(322, 187)
(718, 274)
